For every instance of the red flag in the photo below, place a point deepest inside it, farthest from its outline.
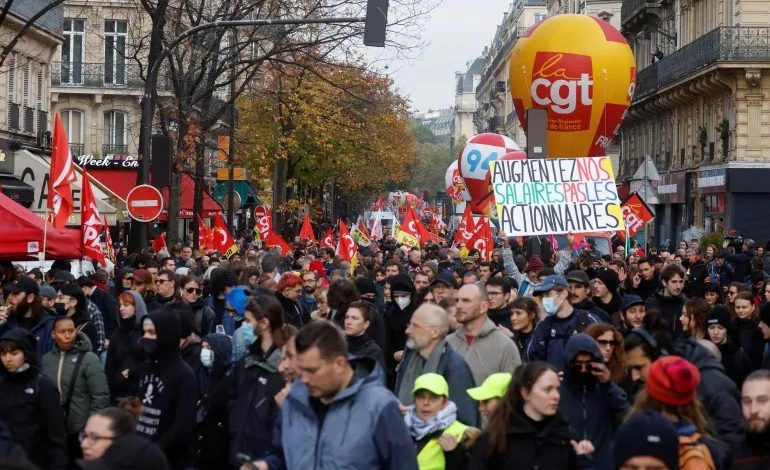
(108, 241)
(467, 227)
(362, 228)
(223, 240)
(306, 232)
(482, 240)
(328, 240)
(62, 175)
(379, 205)
(205, 236)
(90, 223)
(264, 225)
(159, 243)
(346, 246)
(273, 240)
(408, 235)
(425, 235)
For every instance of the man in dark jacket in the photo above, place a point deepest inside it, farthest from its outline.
(579, 291)
(168, 389)
(26, 311)
(427, 351)
(590, 401)
(647, 281)
(753, 453)
(670, 300)
(741, 261)
(103, 300)
(695, 286)
(499, 291)
(397, 315)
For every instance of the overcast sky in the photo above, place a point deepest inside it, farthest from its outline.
(456, 32)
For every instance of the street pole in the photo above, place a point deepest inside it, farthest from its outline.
(231, 147)
(150, 89)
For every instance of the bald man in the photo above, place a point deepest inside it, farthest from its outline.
(485, 349)
(427, 351)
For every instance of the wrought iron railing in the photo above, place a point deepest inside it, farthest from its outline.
(108, 149)
(723, 44)
(501, 54)
(631, 7)
(99, 75)
(14, 114)
(77, 149)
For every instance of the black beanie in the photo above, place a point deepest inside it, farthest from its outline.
(647, 433)
(719, 315)
(610, 279)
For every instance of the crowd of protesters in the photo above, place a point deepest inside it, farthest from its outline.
(411, 358)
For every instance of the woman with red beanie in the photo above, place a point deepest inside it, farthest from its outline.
(671, 390)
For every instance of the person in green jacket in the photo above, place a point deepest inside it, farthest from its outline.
(79, 375)
(442, 441)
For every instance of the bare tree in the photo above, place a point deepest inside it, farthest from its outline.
(28, 23)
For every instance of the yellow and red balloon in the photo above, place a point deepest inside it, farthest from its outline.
(581, 70)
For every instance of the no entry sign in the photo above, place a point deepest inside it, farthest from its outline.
(145, 203)
(259, 212)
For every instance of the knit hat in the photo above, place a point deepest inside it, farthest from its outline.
(719, 315)
(238, 297)
(495, 386)
(647, 433)
(764, 314)
(535, 263)
(364, 285)
(673, 381)
(142, 276)
(609, 278)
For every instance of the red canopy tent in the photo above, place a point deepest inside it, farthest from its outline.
(21, 235)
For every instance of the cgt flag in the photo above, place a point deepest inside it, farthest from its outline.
(205, 236)
(60, 201)
(306, 232)
(482, 240)
(159, 243)
(346, 247)
(91, 223)
(223, 240)
(408, 234)
(328, 240)
(275, 240)
(467, 227)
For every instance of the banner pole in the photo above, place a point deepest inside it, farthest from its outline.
(41, 255)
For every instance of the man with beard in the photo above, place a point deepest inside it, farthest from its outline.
(25, 311)
(670, 300)
(579, 288)
(754, 452)
(632, 313)
(697, 274)
(590, 401)
(309, 285)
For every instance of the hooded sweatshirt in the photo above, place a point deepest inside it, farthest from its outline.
(169, 393)
(31, 407)
(489, 352)
(594, 410)
(397, 319)
(90, 392)
(125, 353)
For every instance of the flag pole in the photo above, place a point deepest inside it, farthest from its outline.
(41, 255)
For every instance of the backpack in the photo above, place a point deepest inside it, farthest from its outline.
(581, 323)
(695, 454)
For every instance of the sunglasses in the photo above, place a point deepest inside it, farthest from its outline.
(607, 342)
(161, 281)
(128, 278)
(195, 290)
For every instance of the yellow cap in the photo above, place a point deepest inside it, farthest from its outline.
(494, 386)
(433, 383)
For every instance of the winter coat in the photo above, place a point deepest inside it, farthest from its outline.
(491, 351)
(741, 262)
(670, 309)
(294, 313)
(646, 288)
(252, 385)
(431, 456)
(108, 306)
(458, 375)
(716, 391)
(550, 336)
(41, 331)
(362, 428)
(753, 452)
(212, 442)
(747, 335)
(529, 447)
(203, 318)
(588, 305)
(209, 377)
(365, 346)
(594, 410)
(125, 353)
(31, 408)
(735, 361)
(396, 319)
(90, 392)
(609, 309)
(169, 393)
(695, 285)
(85, 324)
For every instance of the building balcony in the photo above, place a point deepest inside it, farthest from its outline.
(77, 149)
(734, 44)
(100, 75)
(631, 9)
(111, 149)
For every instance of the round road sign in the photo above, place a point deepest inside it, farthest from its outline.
(260, 211)
(144, 203)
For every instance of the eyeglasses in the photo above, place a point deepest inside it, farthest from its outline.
(191, 290)
(161, 281)
(93, 437)
(490, 293)
(607, 342)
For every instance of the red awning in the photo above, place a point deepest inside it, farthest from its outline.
(121, 182)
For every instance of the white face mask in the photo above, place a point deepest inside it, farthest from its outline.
(207, 357)
(403, 302)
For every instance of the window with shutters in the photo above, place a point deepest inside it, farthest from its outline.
(73, 52)
(115, 33)
(12, 63)
(114, 133)
(40, 88)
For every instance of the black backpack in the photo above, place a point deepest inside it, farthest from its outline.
(582, 322)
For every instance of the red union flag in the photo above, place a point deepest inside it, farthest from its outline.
(91, 223)
(467, 227)
(264, 225)
(62, 175)
(328, 240)
(482, 240)
(306, 232)
(636, 214)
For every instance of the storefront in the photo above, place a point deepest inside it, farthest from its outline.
(712, 185)
(747, 200)
(671, 210)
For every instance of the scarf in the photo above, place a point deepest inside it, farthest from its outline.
(415, 368)
(419, 428)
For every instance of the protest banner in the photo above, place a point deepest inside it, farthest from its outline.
(545, 196)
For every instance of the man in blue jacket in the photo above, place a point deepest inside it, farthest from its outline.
(338, 414)
(590, 401)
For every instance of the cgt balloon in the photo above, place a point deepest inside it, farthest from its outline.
(581, 70)
(453, 182)
(473, 162)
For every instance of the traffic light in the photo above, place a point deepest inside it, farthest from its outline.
(376, 20)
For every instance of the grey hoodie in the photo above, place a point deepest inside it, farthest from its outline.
(490, 352)
(141, 307)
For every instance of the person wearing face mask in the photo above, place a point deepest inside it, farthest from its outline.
(561, 323)
(125, 354)
(168, 389)
(397, 316)
(592, 404)
(31, 407)
(210, 442)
